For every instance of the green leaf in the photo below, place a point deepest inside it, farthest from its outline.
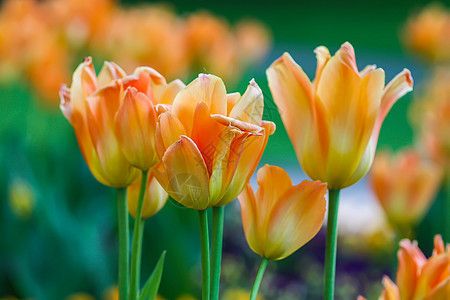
(151, 287)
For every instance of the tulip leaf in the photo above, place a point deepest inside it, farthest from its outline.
(151, 287)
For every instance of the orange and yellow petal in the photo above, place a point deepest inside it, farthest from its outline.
(135, 125)
(295, 219)
(188, 181)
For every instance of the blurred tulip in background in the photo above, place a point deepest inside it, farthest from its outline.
(405, 185)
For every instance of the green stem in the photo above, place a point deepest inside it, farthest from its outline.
(204, 240)
(447, 206)
(136, 249)
(258, 279)
(124, 259)
(216, 251)
(330, 250)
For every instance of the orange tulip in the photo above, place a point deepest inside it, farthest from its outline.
(335, 120)
(91, 106)
(210, 143)
(154, 199)
(431, 115)
(280, 218)
(428, 32)
(419, 278)
(405, 186)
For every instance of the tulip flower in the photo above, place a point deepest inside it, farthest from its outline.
(405, 186)
(114, 120)
(417, 276)
(154, 199)
(209, 144)
(431, 116)
(91, 106)
(334, 122)
(207, 154)
(280, 218)
(427, 33)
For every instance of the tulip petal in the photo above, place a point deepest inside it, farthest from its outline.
(251, 105)
(84, 83)
(410, 261)
(433, 272)
(224, 163)
(294, 96)
(168, 130)
(439, 247)
(441, 291)
(209, 89)
(103, 105)
(249, 153)
(352, 104)
(109, 72)
(396, 88)
(165, 94)
(73, 106)
(248, 204)
(295, 219)
(135, 125)
(207, 134)
(273, 182)
(65, 105)
(322, 56)
(188, 181)
(232, 99)
(390, 290)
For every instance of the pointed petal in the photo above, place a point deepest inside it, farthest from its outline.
(207, 134)
(293, 94)
(248, 154)
(135, 125)
(209, 89)
(434, 271)
(273, 182)
(232, 99)
(249, 213)
(439, 247)
(187, 174)
(165, 94)
(251, 105)
(65, 105)
(103, 105)
(410, 261)
(84, 83)
(295, 219)
(394, 90)
(168, 130)
(398, 87)
(352, 104)
(322, 56)
(390, 290)
(110, 72)
(441, 291)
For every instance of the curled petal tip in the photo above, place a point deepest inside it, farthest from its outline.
(87, 60)
(408, 77)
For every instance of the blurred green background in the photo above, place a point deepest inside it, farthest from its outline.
(68, 242)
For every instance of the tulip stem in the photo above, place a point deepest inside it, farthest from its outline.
(136, 249)
(447, 207)
(330, 248)
(204, 241)
(124, 240)
(216, 250)
(258, 279)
